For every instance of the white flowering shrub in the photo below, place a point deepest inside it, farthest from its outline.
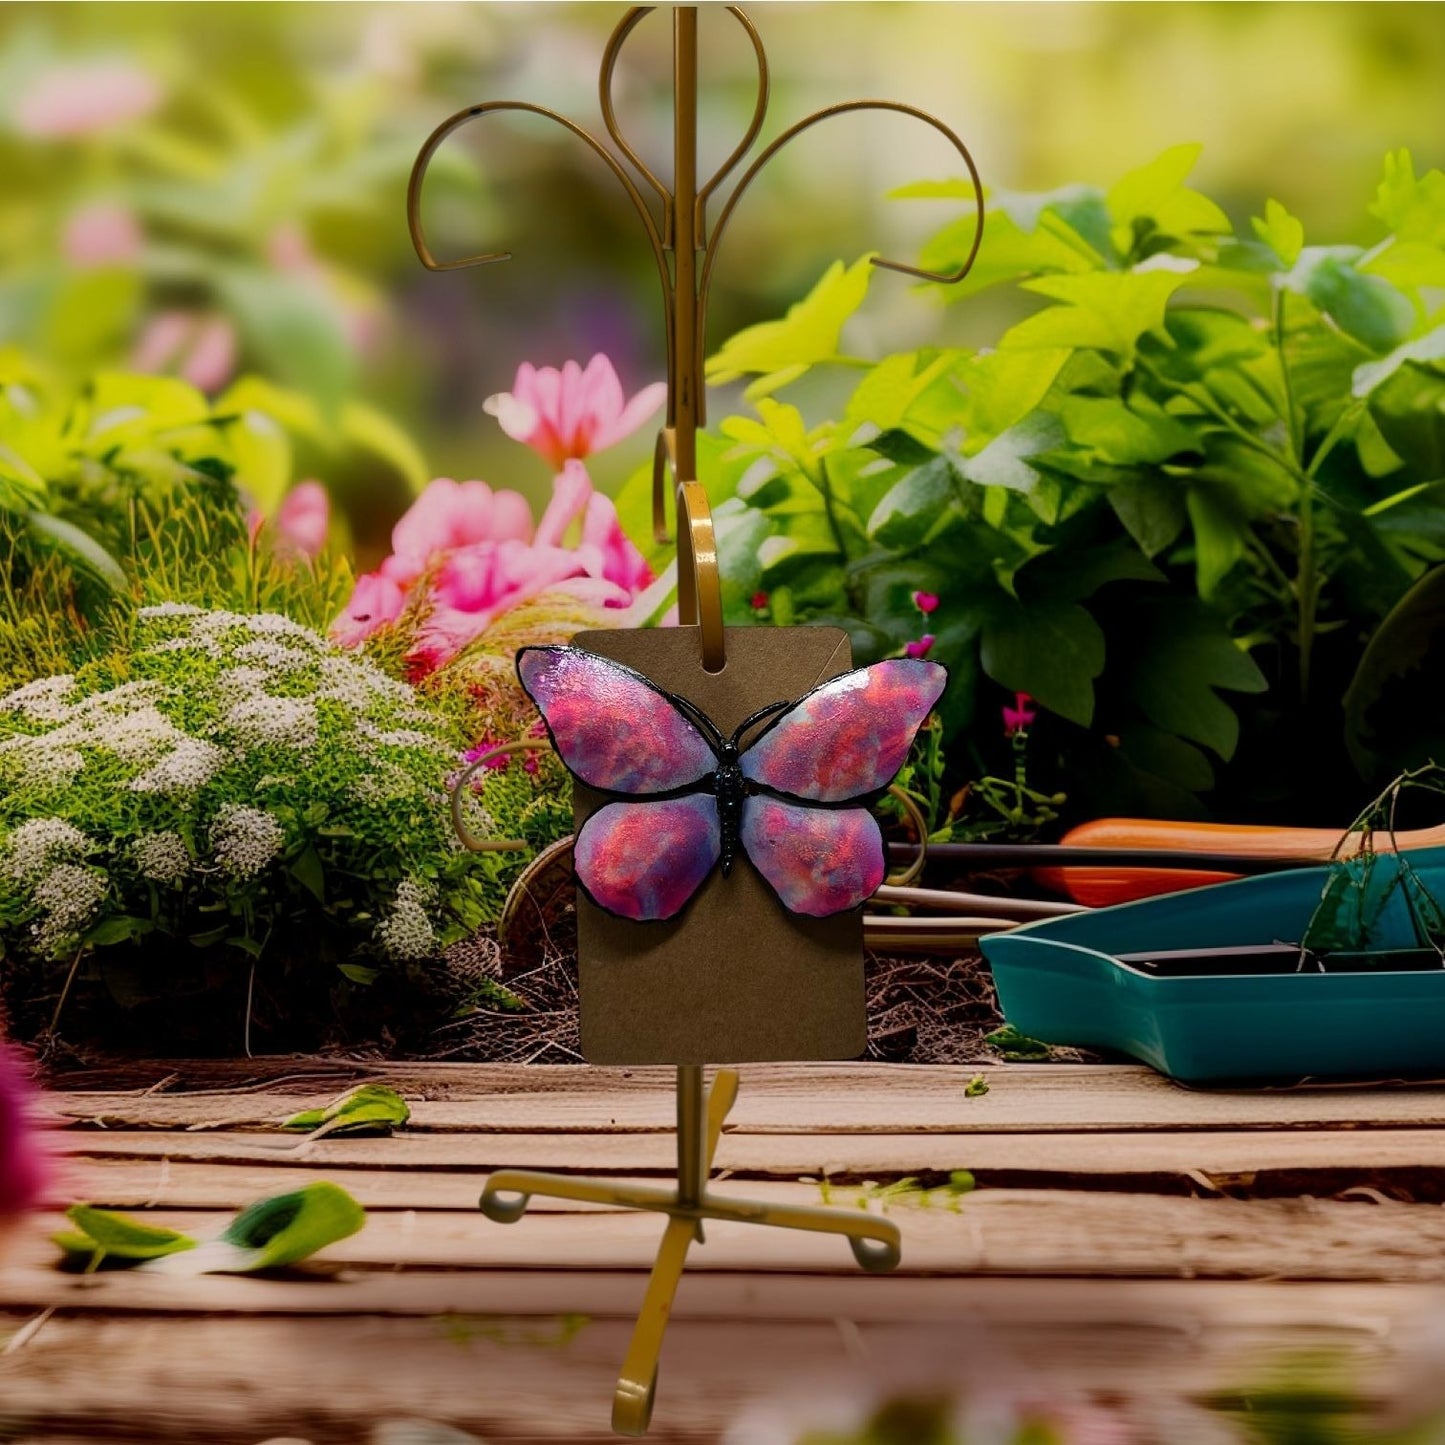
(234, 783)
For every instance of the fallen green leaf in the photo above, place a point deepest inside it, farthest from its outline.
(103, 1234)
(976, 1087)
(370, 1109)
(1014, 1046)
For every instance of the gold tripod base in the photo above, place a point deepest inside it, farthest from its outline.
(875, 1242)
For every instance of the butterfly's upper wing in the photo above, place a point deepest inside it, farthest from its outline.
(616, 731)
(847, 738)
(644, 860)
(818, 861)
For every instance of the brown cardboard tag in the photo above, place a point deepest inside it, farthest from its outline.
(734, 978)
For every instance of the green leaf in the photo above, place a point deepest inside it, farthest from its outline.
(1155, 198)
(369, 1109)
(1105, 310)
(1152, 509)
(1004, 462)
(780, 351)
(118, 930)
(911, 509)
(1364, 306)
(371, 429)
(307, 870)
(1182, 658)
(102, 1233)
(288, 1228)
(1003, 387)
(1280, 231)
(1373, 374)
(1045, 242)
(1413, 209)
(1051, 649)
(1221, 533)
(1409, 409)
(976, 1088)
(359, 973)
(885, 395)
(1014, 1046)
(1125, 434)
(79, 548)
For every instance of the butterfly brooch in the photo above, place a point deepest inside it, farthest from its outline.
(788, 788)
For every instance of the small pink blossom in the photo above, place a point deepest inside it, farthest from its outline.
(303, 519)
(375, 601)
(567, 415)
(921, 648)
(104, 233)
(485, 745)
(1020, 717)
(200, 348)
(925, 602)
(759, 601)
(82, 97)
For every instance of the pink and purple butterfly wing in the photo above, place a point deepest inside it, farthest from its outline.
(614, 730)
(819, 861)
(849, 737)
(643, 860)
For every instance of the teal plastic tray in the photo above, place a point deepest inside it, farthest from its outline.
(1061, 981)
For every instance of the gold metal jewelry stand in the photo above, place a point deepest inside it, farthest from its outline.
(685, 238)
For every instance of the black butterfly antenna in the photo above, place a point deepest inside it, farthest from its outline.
(752, 721)
(698, 718)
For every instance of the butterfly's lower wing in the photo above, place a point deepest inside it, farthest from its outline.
(615, 730)
(847, 738)
(644, 861)
(819, 861)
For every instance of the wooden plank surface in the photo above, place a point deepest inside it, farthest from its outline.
(998, 1232)
(1314, 1160)
(1318, 1162)
(800, 1098)
(248, 1378)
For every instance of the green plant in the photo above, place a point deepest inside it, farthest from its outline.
(234, 789)
(1183, 493)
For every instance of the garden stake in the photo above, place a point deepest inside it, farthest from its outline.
(685, 236)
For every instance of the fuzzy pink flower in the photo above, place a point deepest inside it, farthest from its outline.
(1020, 717)
(23, 1171)
(921, 648)
(104, 233)
(925, 602)
(83, 97)
(569, 414)
(479, 555)
(375, 601)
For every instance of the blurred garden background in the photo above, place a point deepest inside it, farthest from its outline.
(219, 190)
(1162, 482)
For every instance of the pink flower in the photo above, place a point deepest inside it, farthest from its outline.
(23, 1171)
(477, 553)
(104, 233)
(449, 515)
(375, 601)
(83, 97)
(1020, 717)
(304, 518)
(921, 648)
(925, 602)
(492, 765)
(202, 349)
(569, 414)
(759, 601)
